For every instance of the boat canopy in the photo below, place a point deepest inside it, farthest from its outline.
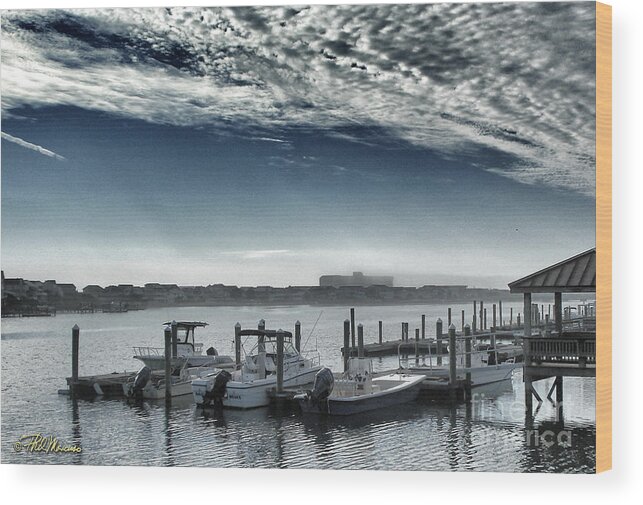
(185, 330)
(267, 334)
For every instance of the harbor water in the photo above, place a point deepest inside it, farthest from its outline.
(490, 433)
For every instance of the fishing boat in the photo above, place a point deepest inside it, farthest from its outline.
(151, 385)
(487, 367)
(358, 390)
(188, 352)
(249, 386)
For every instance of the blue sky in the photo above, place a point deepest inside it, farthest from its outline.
(437, 143)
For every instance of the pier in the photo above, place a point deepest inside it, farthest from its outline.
(569, 348)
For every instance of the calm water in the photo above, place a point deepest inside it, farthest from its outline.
(487, 435)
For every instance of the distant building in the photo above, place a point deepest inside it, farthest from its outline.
(357, 279)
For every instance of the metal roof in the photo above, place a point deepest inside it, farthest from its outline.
(573, 275)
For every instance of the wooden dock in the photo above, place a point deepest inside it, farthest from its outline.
(424, 346)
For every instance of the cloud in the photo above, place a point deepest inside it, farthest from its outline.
(33, 147)
(259, 254)
(517, 78)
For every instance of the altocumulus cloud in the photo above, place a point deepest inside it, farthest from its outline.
(518, 78)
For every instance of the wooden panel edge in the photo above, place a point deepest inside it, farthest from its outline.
(603, 237)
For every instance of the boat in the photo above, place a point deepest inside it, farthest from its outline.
(151, 385)
(487, 367)
(250, 385)
(358, 390)
(188, 352)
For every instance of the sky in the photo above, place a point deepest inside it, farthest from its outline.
(439, 143)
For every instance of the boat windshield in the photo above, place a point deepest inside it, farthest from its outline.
(270, 346)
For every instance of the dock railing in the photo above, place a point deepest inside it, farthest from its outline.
(569, 348)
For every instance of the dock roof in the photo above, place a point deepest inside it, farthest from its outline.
(573, 275)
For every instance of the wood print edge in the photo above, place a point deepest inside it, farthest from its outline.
(603, 237)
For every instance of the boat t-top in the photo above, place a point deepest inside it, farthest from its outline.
(188, 352)
(249, 386)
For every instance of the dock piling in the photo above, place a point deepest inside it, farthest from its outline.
(493, 317)
(452, 359)
(438, 339)
(467, 356)
(75, 345)
(417, 346)
(449, 317)
(481, 315)
(175, 338)
(360, 340)
(298, 336)
(280, 361)
(347, 343)
(168, 362)
(484, 322)
(423, 326)
(463, 320)
(473, 327)
(379, 324)
(237, 344)
(502, 323)
(352, 328)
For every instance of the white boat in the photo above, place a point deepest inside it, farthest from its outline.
(186, 349)
(485, 366)
(249, 386)
(151, 385)
(358, 390)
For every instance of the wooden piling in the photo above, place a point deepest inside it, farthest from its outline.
(168, 362)
(347, 343)
(467, 356)
(452, 358)
(438, 339)
(502, 323)
(475, 315)
(484, 323)
(463, 320)
(511, 316)
(481, 315)
(175, 339)
(75, 346)
(423, 326)
(360, 340)
(417, 346)
(352, 328)
(379, 331)
(527, 316)
(298, 336)
(449, 316)
(237, 344)
(261, 344)
(280, 361)
(493, 320)
(558, 311)
(518, 319)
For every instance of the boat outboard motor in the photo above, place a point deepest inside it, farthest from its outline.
(218, 390)
(323, 386)
(212, 351)
(142, 378)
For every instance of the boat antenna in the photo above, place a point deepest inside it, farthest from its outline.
(313, 328)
